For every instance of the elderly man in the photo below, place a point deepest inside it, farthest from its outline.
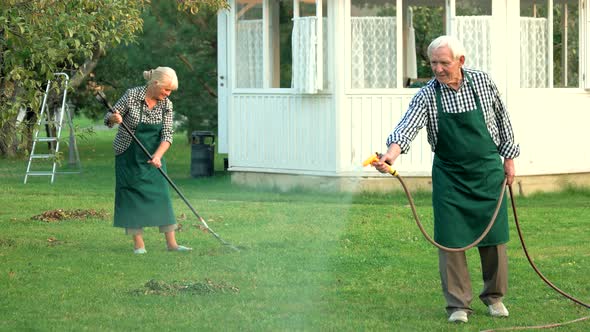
(469, 131)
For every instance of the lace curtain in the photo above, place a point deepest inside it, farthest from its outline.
(249, 54)
(373, 52)
(374, 49)
(533, 52)
(411, 67)
(304, 47)
(475, 32)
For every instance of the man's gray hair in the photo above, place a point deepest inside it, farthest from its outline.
(454, 44)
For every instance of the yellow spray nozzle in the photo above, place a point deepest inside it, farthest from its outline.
(376, 157)
(371, 159)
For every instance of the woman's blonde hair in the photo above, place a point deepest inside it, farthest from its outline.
(161, 76)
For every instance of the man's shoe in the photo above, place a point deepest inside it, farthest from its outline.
(458, 316)
(498, 310)
(139, 251)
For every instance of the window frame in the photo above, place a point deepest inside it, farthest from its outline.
(268, 56)
(583, 48)
(400, 20)
(348, 54)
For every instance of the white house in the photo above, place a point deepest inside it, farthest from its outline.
(310, 88)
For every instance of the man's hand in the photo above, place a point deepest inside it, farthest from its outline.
(386, 161)
(509, 170)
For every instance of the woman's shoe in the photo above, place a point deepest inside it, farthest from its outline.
(139, 251)
(180, 248)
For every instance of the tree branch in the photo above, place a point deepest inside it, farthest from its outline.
(210, 90)
(86, 68)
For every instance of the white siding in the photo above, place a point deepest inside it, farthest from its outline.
(279, 131)
(284, 133)
(287, 133)
(551, 126)
(366, 122)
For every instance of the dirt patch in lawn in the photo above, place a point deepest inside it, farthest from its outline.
(158, 287)
(77, 214)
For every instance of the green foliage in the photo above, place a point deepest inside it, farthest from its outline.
(39, 38)
(42, 37)
(186, 43)
(428, 25)
(193, 6)
(285, 42)
(562, 52)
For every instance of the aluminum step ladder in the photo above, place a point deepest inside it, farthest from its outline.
(53, 125)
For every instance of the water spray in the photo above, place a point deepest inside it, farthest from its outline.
(100, 96)
(377, 156)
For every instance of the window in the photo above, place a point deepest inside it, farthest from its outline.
(472, 25)
(280, 30)
(429, 20)
(373, 44)
(277, 44)
(376, 38)
(549, 35)
(310, 41)
(249, 44)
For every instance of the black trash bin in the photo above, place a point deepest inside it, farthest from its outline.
(202, 153)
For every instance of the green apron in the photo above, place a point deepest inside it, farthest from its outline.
(467, 173)
(142, 197)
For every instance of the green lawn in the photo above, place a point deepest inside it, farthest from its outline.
(312, 261)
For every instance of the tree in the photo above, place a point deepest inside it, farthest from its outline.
(183, 41)
(39, 38)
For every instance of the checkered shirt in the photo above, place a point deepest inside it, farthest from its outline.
(422, 111)
(130, 107)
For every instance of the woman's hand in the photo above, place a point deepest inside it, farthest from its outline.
(116, 118)
(156, 161)
(159, 154)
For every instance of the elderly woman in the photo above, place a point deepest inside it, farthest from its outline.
(142, 197)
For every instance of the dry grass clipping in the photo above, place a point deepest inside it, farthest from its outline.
(77, 214)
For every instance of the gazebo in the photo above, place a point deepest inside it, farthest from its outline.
(310, 88)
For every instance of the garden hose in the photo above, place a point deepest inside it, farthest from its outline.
(100, 96)
(395, 174)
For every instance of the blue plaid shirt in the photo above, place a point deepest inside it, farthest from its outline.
(422, 112)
